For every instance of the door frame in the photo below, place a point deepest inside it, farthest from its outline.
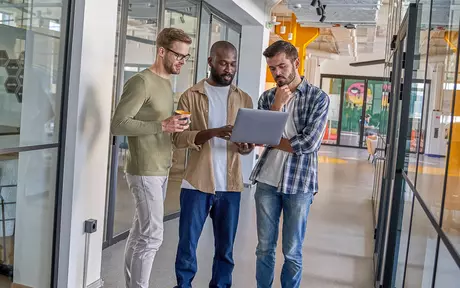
(342, 99)
(387, 234)
(363, 114)
(229, 24)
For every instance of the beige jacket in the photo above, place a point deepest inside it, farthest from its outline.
(199, 172)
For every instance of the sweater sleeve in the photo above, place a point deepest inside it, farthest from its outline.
(132, 99)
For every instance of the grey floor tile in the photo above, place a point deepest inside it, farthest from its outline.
(337, 251)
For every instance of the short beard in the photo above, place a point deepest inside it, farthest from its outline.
(289, 80)
(220, 80)
(168, 66)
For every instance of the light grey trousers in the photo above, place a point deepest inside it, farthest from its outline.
(146, 234)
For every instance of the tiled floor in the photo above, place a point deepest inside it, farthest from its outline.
(337, 250)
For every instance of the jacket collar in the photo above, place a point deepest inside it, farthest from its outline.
(199, 87)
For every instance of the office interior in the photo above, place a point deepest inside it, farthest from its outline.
(393, 121)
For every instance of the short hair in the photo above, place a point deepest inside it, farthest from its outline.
(281, 47)
(168, 36)
(222, 45)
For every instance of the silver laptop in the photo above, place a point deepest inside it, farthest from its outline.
(259, 126)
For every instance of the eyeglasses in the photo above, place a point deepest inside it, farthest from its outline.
(179, 57)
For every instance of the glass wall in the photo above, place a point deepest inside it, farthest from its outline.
(426, 209)
(183, 15)
(332, 86)
(215, 27)
(32, 55)
(357, 104)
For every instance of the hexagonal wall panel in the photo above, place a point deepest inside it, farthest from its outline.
(3, 58)
(12, 67)
(11, 85)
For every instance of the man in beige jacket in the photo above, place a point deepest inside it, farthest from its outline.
(213, 180)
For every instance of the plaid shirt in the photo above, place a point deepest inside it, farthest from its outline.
(300, 171)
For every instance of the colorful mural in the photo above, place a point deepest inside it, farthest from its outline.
(355, 93)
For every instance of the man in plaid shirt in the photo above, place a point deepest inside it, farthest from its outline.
(287, 175)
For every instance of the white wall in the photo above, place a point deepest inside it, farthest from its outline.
(87, 139)
(255, 8)
(244, 12)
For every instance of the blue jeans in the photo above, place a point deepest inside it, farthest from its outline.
(295, 208)
(224, 209)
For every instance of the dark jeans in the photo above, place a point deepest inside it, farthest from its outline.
(223, 208)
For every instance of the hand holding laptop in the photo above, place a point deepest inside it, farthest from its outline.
(224, 132)
(245, 148)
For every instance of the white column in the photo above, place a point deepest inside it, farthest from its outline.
(87, 140)
(311, 69)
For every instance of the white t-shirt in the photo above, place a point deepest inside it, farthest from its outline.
(217, 117)
(272, 170)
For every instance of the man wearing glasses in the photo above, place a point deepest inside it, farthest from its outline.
(144, 115)
(213, 181)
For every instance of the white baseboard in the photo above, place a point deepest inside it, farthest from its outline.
(97, 284)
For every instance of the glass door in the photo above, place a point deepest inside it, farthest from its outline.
(136, 50)
(352, 116)
(372, 114)
(34, 87)
(214, 27)
(182, 15)
(333, 87)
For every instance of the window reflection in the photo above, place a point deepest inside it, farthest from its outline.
(447, 273)
(438, 100)
(422, 250)
(182, 15)
(31, 70)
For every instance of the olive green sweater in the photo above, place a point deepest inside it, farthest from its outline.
(146, 101)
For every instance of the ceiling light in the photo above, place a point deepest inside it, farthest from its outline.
(290, 36)
(297, 6)
(313, 3)
(322, 18)
(318, 11)
(283, 29)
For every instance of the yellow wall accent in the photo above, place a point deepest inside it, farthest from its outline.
(450, 37)
(454, 159)
(302, 36)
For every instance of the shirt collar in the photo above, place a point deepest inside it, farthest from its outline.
(303, 86)
(199, 87)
